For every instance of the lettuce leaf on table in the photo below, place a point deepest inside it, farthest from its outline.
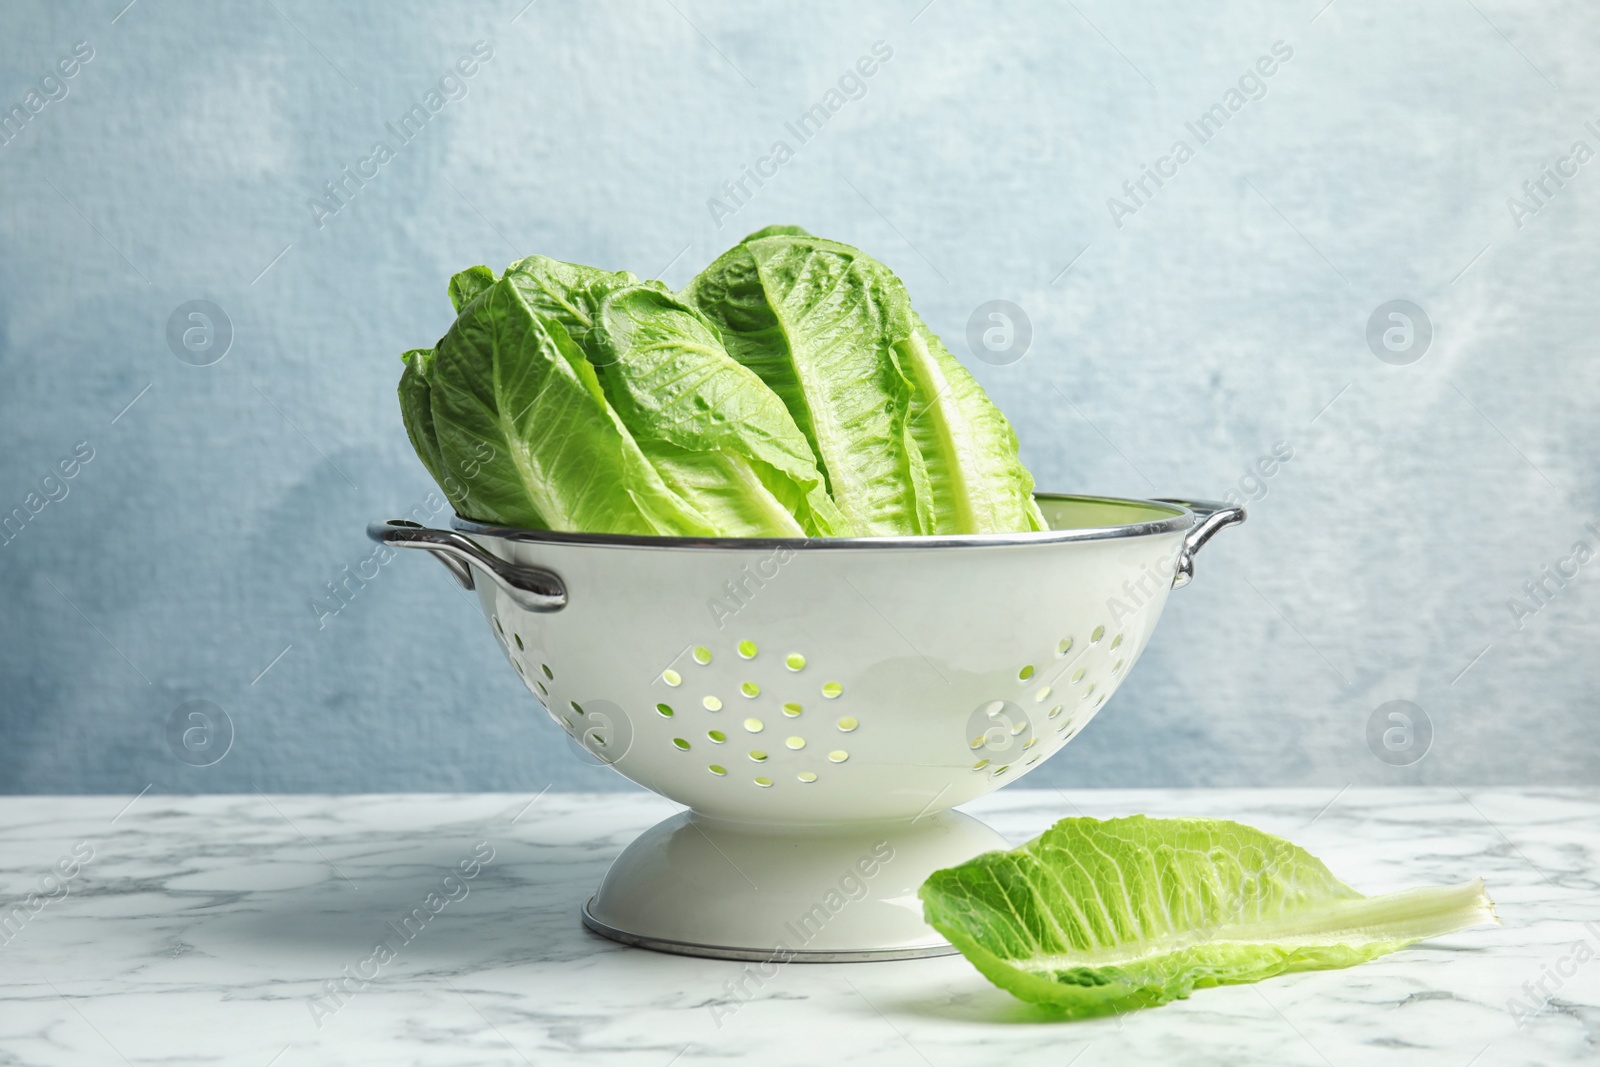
(1095, 917)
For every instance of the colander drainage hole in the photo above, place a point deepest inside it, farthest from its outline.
(1077, 675)
(838, 755)
(665, 710)
(711, 704)
(1116, 642)
(750, 689)
(831, 690)
(576, 706)
(764, 783)
(1025, 673)
(807, 776)
(718, 769)
(671, 677)
(755, 726)
(1042, 695)
(1099, 632)
(716, 737)
(518, 639)
(548, 673)
(683, 745)
(702, 655)
(747, 649)
(847, 724)
(758, 756)
(1064, 647)
(795, 661)
(796, 743)
(792, 710)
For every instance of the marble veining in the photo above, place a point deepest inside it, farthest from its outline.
(210, 930)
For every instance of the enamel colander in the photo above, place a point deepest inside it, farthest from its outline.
(819, 705)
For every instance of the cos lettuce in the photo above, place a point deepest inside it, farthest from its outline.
(1096, 917)
(790, 390)
(907, 438)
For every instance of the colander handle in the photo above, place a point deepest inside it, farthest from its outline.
(530, 588)
(1209, 517)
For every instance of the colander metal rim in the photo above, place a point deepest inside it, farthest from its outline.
(1179, 521)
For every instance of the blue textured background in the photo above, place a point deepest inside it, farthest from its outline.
(1225, 315)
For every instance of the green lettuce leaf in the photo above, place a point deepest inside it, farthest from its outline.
(906, 437)
(521, 421)
(970, 479)
(1099, 917)
(713, 429)
(569, 293)
(817, 322)
(467, 284)
(416, 409)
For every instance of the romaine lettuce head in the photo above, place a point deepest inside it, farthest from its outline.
(908, 441)
(523, 427)
(791, 390)
(1098, 917)
(816, 321)
(714, 430)
(569, 398)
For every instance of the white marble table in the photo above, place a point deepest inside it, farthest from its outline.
(202, 927)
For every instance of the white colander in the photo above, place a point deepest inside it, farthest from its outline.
(819, 705)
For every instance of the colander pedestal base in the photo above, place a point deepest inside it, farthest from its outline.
(830, 893)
